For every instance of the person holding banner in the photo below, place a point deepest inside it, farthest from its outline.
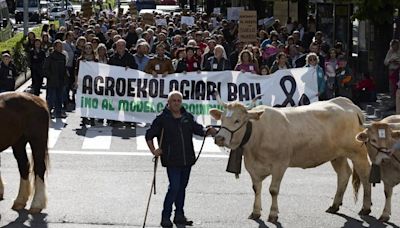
(219, 61)
(176, 126)
(122, 57)
(160, 64)
(190, 62)
(312, 61)
(246, 63)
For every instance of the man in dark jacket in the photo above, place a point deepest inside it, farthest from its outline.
(8, 73)
(55, 70)
(175, 127)
(122, 57)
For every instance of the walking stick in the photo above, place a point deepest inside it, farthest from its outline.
(153, 184)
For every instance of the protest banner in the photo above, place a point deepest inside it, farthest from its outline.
(162, 22)
(111, 92)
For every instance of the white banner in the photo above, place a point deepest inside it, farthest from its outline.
(112, 92)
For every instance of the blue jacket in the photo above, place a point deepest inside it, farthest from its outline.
(177, 143)
(321, 79)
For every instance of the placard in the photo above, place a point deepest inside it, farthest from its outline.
(248, 26)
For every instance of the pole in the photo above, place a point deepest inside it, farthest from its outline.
(288, 9)
(153, 183)
(26, 17)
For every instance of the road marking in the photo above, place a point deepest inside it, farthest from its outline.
(97, 138)
(106, 153)
(55, 131)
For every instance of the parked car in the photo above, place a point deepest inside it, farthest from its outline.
(56, 13)
(69, 5)
(44, 9)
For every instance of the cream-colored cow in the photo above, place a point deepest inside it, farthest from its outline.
(304, 137)
(382, 140)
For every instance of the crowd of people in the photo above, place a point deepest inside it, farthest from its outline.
(211, 44)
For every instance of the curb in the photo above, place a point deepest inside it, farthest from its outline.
(22, 78)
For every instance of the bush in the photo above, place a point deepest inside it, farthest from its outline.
(16, 47)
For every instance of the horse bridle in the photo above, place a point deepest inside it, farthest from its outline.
(382, 150)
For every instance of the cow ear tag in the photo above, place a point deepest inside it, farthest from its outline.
(381, 133)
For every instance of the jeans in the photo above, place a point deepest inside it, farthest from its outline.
(178, 179)
(55, 98)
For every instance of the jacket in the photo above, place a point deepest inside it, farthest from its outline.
(7, 77)
(55, 70)
(36, 59)
(159, 65)
(177, 142)
(126, 60)
(212, 64)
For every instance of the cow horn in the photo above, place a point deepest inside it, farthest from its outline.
(253, 102)
(219, 99)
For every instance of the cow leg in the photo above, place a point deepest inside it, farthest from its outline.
(257, 186)
(362, 169)
(23, 166)
(39, 153)
(277, 175)
(343, 171)
(387, 211)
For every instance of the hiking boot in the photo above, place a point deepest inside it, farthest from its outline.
(166, 222)
(182, 220)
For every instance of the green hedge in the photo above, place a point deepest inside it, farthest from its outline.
(11, 43)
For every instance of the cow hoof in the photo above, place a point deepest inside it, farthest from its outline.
(254, 216)
(364, 212)
(273, 218)
(18, 206)
(332, 209)
(34, 211)
(384, 218)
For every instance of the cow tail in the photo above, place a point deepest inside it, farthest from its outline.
(356, 184)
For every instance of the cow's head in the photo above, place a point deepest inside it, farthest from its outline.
(233, 122)
(380, 139)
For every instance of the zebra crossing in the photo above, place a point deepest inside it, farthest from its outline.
(68, 136)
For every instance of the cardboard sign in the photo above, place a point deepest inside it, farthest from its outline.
(248, 26)
(233, 13)
(148, 18)
(187, 20)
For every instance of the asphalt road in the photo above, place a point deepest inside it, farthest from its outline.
(101, 177)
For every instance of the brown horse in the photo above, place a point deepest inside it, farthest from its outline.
(25, 119)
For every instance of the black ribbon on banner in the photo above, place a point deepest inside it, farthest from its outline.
(304, 100)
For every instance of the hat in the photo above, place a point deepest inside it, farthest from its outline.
(5, 54)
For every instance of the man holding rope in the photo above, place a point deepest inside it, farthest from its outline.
(174, 128)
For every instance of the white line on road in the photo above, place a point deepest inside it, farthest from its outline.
(55, 131)
(105, 153)
(97, 138)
